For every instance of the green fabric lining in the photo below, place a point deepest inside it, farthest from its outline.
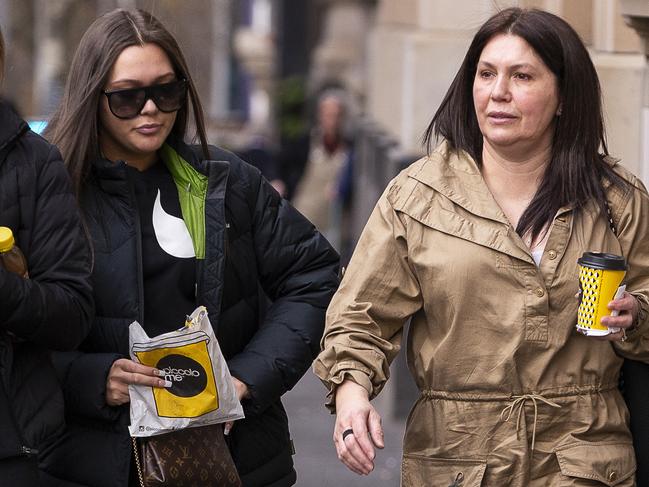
(192, 192)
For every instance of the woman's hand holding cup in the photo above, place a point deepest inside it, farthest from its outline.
(606, 310)
(627, 308)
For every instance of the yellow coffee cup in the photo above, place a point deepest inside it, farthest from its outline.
(600, 276)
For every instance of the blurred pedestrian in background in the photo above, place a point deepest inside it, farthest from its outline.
(52, 308)
(324, 187)
(478, 244)
(175, 226)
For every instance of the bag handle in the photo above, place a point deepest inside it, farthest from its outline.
(137, 462)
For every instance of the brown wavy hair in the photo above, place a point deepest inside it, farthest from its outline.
(74, 127)
(577, 166)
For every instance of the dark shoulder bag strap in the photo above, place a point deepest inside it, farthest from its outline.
(611, 223)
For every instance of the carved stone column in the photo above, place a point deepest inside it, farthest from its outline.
(49, 62)
(220, 62)
(340, 56)
(636, 15)
(255, 48)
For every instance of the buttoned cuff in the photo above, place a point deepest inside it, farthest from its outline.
(347, 370)
(641, 324)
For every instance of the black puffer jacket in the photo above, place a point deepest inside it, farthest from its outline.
(254, 241)
(51, 310)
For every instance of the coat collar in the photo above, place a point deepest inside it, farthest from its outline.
(112, 175)
(456, 175)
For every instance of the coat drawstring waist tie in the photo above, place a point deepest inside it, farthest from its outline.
(519, 402)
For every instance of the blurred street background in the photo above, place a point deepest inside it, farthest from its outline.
(329, 99)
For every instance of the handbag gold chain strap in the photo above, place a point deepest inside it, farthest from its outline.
(137, 462)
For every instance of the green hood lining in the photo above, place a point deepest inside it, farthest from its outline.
(192, 192)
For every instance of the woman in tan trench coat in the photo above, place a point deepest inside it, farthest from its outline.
(478, 243)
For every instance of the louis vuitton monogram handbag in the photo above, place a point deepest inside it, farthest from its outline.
(190, 457)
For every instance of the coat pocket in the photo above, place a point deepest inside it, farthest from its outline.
(611, 464)
(418, 470)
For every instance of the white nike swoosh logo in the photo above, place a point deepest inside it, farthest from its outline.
(171, 232)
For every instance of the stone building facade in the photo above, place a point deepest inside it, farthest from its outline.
(396, 57)
(416, 47)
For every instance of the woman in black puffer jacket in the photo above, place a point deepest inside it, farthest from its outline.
(50, 310)
(175, 226)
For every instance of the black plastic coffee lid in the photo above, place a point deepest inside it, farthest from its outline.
(601, 260)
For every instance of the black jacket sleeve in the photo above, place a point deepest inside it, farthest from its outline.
(298, 270)
(83, 377)
(54, 306)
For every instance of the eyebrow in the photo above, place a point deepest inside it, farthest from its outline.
(514, 66)
(139, 82)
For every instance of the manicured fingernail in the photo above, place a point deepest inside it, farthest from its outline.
(167, 383)
(158, 372)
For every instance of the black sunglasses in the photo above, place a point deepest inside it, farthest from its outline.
(168, 97)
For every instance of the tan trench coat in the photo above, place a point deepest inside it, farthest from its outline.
(492, 344)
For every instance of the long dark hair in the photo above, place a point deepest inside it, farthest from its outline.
(577, 166)
(74, 127)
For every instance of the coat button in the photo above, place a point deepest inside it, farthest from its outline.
(552, 254)
(539, 292)
(612, 476)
